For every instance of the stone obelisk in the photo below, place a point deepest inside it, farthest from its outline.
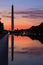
(12, 28)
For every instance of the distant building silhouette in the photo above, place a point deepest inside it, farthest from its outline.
(37, 29)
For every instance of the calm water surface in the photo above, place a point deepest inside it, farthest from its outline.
(26, 51)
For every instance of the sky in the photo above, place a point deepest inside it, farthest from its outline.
(26, 13)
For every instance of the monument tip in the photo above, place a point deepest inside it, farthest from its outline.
(12, 5)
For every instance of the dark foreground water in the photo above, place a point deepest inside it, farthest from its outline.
(26, 59)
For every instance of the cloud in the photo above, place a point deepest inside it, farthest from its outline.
(7, 16)
(0, 12)
(31, 14)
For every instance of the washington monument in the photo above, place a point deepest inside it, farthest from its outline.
(12, 28)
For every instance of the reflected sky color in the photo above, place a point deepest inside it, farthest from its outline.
(25, 42)
(26, 51)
